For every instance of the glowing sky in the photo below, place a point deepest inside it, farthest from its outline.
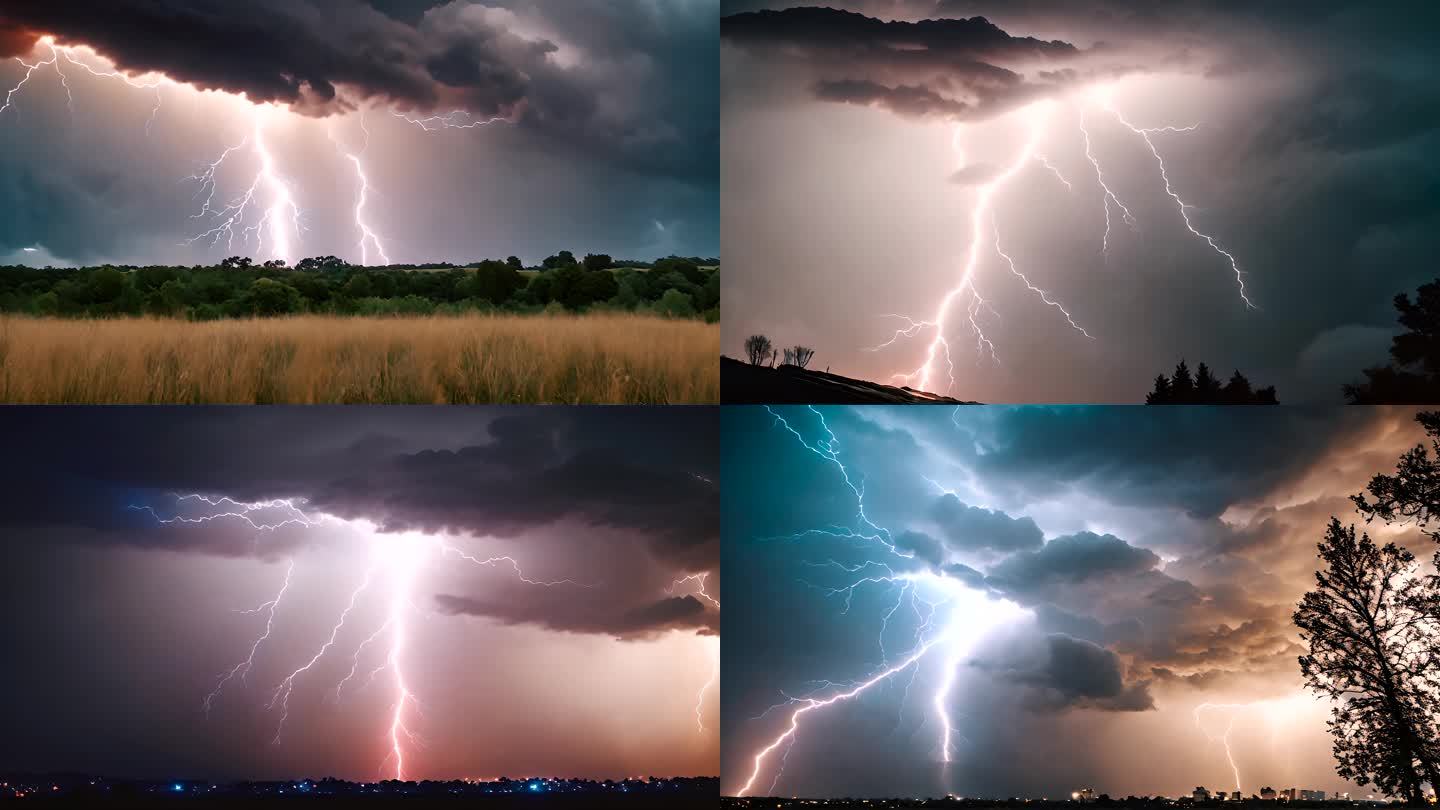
(856, 150)
(590, 103)
(117, 627)
(1144, 563)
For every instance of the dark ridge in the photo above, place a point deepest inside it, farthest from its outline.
(744, 384)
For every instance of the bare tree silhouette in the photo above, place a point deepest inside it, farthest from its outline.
(758, 349)
(799, 356)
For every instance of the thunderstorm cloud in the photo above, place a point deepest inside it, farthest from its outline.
(591, 101)
(859, 137)
(1154, 556)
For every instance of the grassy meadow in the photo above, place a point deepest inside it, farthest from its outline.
(304, 359)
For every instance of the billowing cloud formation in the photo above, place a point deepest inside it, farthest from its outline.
(1074, 673)
(621, 507)
(972, 528)
(596, 100)
(320, 57)
(1308, 116)
(1157, 555)
(949, 68)
(1072, 559)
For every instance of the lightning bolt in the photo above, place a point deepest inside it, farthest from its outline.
(1109, 194)
(965, 296)
(1223, 739)
(368, 236)
(966, 283)
(699, 580)
(246, 219)
(399, 558)
(1184, 207)
(282, 692)
(231, 219)
(243, 668)
(972, 613)
(455, 119)
(29, 71)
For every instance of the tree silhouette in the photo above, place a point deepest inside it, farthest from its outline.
(1412, 494)
(1182, 387)
(758, 349)
(1205, 389)
(1413, 374)
(1162, 395)
(799, 356)
(1366, 625)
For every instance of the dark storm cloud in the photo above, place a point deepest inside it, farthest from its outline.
(1200, 460)
(1163, 605)
(1075, 674)
(1074, 558)
(626, 93)
(625, 494)
(973, 528)
(578, 615)
(1311, 166)
(952, 68)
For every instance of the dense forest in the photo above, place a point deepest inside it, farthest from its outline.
(676, 287)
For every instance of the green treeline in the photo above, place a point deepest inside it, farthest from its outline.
(236, 288)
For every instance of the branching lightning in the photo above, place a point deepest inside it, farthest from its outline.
(265, 216)
(971, 613)
(398, 559)
(965, 300)
(368, 236)
(699, 580)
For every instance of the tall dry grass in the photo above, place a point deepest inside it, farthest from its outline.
(609, 358)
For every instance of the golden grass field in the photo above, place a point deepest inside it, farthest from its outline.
(602, 358)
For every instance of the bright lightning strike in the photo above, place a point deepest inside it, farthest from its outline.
(267, 210)
(1184, 207)
(368, 237)
(970, 614)
(1223, 739)
(455, 119)
(397, 558)
(965, 297)
(699, 580)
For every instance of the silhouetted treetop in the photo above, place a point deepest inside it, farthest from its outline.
(1413, 374)
(1204, 388)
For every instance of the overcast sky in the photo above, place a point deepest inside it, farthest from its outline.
(118, 626)
(607, 138)
(1141, 563)
(854, 153)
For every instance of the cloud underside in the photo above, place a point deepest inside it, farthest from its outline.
(617, 500)
(958, 69)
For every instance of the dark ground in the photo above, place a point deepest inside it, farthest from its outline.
(744, 384)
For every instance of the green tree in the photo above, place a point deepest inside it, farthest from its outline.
(675, 304)
(271, 297)
(359, 286)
